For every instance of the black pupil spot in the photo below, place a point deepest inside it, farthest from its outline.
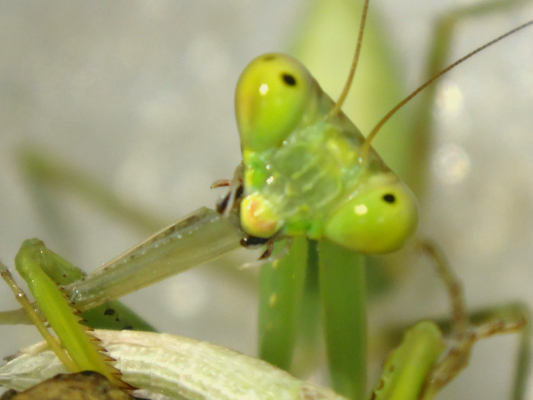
(289, 79)
(389, 198)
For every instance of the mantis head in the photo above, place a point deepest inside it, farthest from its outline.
(277, 95)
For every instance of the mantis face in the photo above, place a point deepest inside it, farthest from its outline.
(303, 170)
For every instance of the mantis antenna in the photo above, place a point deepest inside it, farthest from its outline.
(366, 145)
(338, 105)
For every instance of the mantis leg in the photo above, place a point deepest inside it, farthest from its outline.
(83, 350)
(36, 319)
(465, 332)
(509, 315)
(342, 285)
(111, 315)
(174, 249)
(280, 295)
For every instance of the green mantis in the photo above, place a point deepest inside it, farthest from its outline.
(470, 249)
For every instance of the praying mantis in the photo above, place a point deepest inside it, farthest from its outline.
(211, 179)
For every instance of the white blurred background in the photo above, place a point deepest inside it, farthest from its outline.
(139, 95)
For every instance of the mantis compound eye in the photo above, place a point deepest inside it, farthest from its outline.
(270, 99)
(375, 221)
